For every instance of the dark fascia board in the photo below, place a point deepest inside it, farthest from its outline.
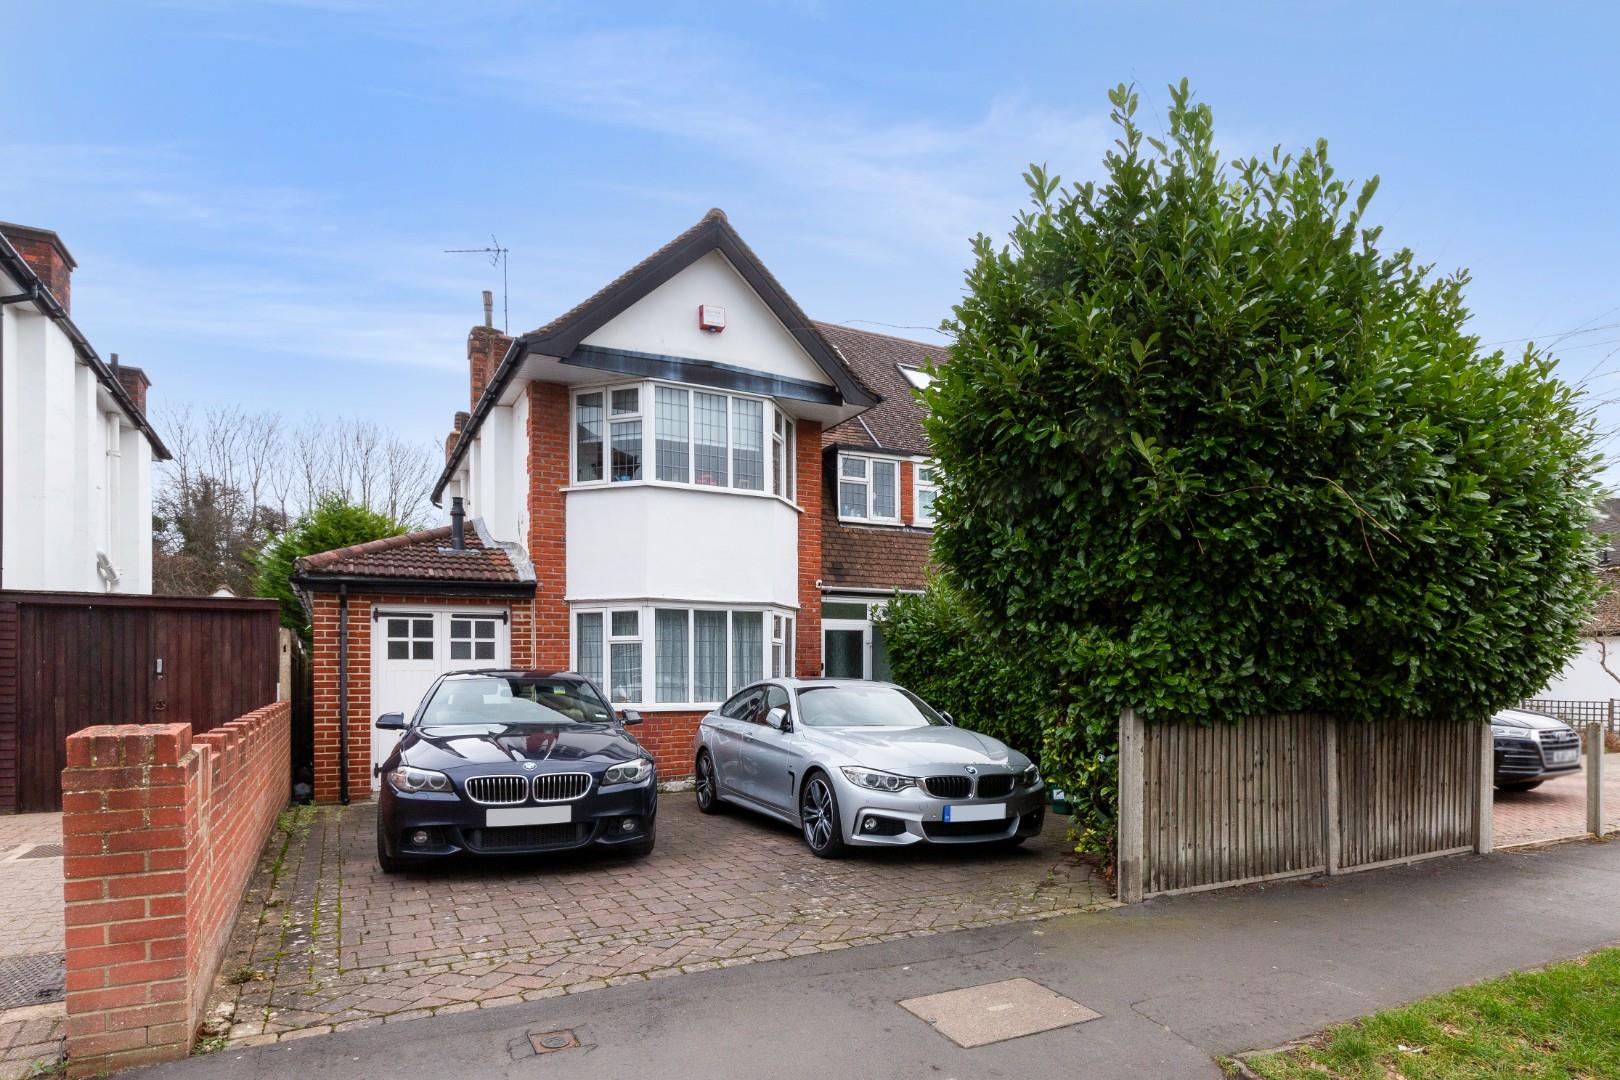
(701, 373)
(419, 586)
(716, 234)
(17, 267)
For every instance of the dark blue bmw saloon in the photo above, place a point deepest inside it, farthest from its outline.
(510, 763)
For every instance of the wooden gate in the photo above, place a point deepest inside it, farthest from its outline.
(1294, 795)
(71, 660)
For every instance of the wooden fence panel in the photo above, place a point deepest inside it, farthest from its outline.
(1405, 789)
(1232, 803)
(81, 660)
(1287, 796)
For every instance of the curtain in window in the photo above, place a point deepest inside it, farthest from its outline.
(588, 647)
(672, 434)
(779, 462)
(709, 439)
(669, 635)
(851, 499)
(883, 493)
(626, 680)
(709, 639)
(747, 647)
(587, 438)
(748, 444)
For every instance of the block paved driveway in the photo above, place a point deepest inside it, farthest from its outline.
(326, 941)
(1556, 809)
(31, 903)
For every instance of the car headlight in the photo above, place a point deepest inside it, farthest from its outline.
(1503, 732)
(1031, 777)
(407, 778)
(631, 772)
(878, 781)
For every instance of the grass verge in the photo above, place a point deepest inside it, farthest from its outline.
(1559, 1021)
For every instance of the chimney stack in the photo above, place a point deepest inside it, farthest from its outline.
(485, 347)
(458, 525)
(489, 309)
(45, 254)
(134, 382)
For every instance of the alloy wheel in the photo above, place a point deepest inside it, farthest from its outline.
(707, 797)
(818, 815)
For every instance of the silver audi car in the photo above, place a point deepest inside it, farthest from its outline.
(863, 763)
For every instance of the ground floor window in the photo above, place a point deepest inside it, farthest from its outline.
(852, 645)
(680, 655)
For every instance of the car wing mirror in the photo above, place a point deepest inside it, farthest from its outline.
(391, 721)
(629, 717)
(949, 719)
(778, 719)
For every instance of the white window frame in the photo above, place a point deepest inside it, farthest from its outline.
(771, 444)
(918, 518)
(866, 479)
(772, 618)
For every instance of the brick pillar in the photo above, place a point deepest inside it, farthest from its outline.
(548, 507)
(808, 452)
(130, 807)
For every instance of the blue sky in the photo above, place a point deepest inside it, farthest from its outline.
(258, 194)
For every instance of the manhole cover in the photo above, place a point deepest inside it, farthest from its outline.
(977, 1015)
(43, 851)
(549, 1042)
(31, 980)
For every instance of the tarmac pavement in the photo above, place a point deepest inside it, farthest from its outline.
(1177, 981)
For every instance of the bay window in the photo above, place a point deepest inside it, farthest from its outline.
(701, 437)
(868, 488)
(680, 655)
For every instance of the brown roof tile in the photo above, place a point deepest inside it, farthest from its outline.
(871, 556)
(1605, 618)
(424, 556)
(895, 423)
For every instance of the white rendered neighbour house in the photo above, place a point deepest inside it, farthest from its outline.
(76, 449)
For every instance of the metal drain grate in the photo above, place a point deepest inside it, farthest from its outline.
(31, 980)
(43, 851)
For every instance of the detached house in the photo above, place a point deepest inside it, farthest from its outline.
(680, 486)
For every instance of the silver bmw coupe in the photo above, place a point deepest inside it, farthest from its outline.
(863, 763)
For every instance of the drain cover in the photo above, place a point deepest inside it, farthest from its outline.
(43, 851)
(549, 1042)
(31, 980)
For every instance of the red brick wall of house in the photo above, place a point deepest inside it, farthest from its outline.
(325, 641)
(49, 260)
(669, 736)
(547, 541)
(808, 625)
(162, 830)
(907, 502)
(485, 348)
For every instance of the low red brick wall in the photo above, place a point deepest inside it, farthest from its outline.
(161, 829)
(669, 737)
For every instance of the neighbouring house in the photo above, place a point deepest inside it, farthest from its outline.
(1594, 673)
(678, 487)
(76, 449)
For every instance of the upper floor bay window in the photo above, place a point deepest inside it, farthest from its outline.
(927, 488)
(697, 437)
(680, 655)
(868, 488)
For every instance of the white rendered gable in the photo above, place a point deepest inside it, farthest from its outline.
(665, 321)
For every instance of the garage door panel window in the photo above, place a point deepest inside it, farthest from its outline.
(409, 638)
(472, 639)
(680, 656)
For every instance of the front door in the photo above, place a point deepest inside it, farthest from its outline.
(410, 647)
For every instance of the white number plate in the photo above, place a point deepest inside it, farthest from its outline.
(529, 815)
(992, 812)
(1562, 757)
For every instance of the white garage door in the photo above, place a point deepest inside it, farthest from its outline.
(410, 647)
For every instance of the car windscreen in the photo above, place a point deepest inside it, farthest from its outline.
(865, 706)
(515, 699)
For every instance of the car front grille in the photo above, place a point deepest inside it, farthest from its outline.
(505, 790)
(948, 787)
(1559, 740)
(561, 787)
(528, 837)
(995, 785)
(1519, 760)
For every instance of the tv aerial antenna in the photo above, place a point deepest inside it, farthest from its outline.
(497, 257)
